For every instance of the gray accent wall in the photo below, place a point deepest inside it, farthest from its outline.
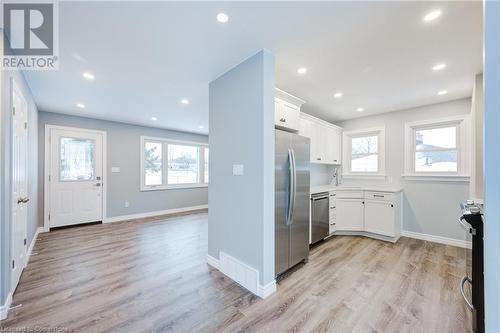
(7, 77)
(430, 207)
(241, 214)
(492, 165)
(124, 151)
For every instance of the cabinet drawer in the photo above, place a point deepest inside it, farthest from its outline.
(385, 196)
(346, 195)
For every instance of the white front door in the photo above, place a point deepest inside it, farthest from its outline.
(19, 184)
(75, 177)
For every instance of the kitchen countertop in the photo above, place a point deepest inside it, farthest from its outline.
(328, 188)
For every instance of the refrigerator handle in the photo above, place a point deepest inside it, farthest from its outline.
(293, 190)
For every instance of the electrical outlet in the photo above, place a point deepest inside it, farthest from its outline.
(127, 204)
(238, 170)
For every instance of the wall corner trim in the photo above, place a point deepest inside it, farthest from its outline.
(4, 308)
(437, 239)
(241, 273)
(152, 214)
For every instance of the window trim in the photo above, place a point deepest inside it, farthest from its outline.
(347, 152)
(165, 142)
(462, 148)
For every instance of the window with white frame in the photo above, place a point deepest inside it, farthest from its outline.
(436, 147)
(173, 164)
(364, 152)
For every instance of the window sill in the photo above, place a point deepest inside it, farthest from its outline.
(172, 187)
(380, 176)
(437, 178)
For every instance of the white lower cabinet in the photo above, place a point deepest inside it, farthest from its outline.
(380, 217)
(349, 214)
(369, 213)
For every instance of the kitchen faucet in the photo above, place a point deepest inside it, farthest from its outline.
(336, 176)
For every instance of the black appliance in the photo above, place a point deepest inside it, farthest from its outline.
(472, 284)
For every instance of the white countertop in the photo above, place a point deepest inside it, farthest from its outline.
(328, 188)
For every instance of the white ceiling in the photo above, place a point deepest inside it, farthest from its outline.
(146, 57)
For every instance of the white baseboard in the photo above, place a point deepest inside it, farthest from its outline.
(246, 276)
(267, 290)
(365, 234)
(214, 262)
(4, 308)
(437, 239)
(152, 214)
(32, 244)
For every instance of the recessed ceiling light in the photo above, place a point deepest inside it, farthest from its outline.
(185, 101)
(200, 127)
(431, 16)
(337, 95)
(438, 67)
(222, 17)
(88, 76)
(80, 105)
(154, 118)
(360, 109)
(442, 92)
(302, 70)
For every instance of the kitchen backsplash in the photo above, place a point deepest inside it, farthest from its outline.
(321, 174)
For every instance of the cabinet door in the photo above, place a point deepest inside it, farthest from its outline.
(291, 114)
(349, 214)
(305, 127)
(379, 217)
(317, 143)
(333, 145)
(278, 117)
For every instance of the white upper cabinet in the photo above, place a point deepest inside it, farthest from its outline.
(326, 139)
(286, 110)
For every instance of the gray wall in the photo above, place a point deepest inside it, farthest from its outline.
(241, 215)
(6, 171)
(477, 180)
(430, 207)
(124, 150)
(492, 165)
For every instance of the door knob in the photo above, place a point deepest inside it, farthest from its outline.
(98, 184)
(22, 200)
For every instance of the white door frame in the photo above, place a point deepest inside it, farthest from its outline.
(46, 183)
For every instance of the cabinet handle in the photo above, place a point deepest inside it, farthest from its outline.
(332, 195)
(333, 207)
(283, 120)
(392, 205)
(318, 158)
(378, 196)
(363, 202)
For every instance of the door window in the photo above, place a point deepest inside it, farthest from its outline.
(77, 159)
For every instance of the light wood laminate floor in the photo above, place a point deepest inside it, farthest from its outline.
(150, 275)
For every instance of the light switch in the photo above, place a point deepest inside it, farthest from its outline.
(115, 169)
(238, 170)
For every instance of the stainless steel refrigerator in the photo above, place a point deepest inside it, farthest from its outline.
(292, 164)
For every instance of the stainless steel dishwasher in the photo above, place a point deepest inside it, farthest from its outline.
(320, 210)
